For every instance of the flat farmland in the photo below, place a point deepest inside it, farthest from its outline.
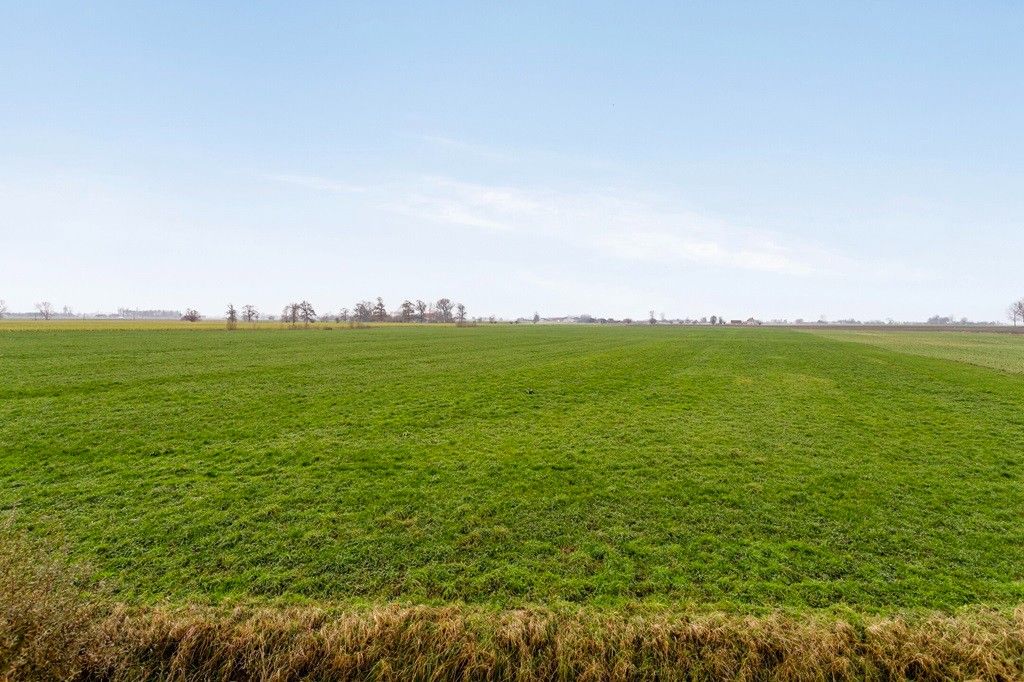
(744, 470)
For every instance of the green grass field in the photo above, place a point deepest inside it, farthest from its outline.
(737, 469)
(998, 351)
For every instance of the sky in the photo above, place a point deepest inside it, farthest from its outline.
(775, 160)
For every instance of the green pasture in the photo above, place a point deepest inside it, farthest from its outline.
(738, 469)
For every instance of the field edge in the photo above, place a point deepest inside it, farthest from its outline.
(57, 623)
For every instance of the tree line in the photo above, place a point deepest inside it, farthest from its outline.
(443, 310)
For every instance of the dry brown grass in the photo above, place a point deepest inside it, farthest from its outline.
(54, 624)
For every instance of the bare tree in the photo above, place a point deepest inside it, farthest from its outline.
(231, 317)
(651, 319)
(536, 318)
(421, 310)
(406, 311)
(460, 313)
(1017, 311)
(45, 308)
(191, 315)
(66, 311)
(363, 311)
(250, 314)
(444, 309)
(343, 315)
(3, 308)
(306, 313)
(380, 313)
(291, 313)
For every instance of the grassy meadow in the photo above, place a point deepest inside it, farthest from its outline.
(735, 470)
(998, 351)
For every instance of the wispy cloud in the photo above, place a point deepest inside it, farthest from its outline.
(665, 247)
(616, 224)
(629, 226)
(443, 200)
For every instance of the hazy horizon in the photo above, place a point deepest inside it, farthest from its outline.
(335, 313)
(784, 161)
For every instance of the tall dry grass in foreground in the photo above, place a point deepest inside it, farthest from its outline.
(54, 626)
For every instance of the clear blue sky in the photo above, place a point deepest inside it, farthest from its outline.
(770, 159)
